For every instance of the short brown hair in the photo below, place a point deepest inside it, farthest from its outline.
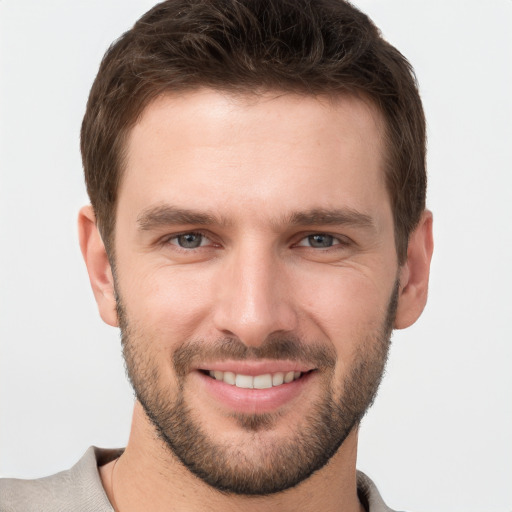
(317, 47)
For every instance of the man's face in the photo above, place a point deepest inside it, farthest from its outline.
(256, 274)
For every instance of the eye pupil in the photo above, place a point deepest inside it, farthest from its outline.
(190, 240)
(320, 240)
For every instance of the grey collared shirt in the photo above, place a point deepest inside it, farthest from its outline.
(79, 489)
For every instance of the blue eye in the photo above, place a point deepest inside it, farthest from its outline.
(319, 241)
(189, 240)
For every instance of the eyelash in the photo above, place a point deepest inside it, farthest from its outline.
(169, 240)
(336, 240)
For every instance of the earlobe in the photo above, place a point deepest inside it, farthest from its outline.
(414, 274)
(98, 265)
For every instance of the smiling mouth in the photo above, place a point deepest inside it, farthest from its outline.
(264, 381)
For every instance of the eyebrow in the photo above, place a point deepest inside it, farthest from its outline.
(326, 217)
(166, 215)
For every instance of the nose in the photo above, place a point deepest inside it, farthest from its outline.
(254, 299)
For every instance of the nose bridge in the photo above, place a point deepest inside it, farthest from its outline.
(252, 304)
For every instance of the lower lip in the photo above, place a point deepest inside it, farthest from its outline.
(253, 401)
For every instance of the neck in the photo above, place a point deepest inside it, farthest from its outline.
(149, 477)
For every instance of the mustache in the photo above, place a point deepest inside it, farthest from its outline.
(195, 352)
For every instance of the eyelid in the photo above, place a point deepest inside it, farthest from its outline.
(170, 239)
(340, 240)
(177, 235)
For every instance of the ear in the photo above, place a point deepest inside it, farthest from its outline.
(414, 273)
(98, 265)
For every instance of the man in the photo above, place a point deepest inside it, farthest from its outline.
(258, 227)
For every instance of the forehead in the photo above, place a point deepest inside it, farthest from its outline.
(272, 149)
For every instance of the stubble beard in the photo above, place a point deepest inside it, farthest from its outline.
(257, 466)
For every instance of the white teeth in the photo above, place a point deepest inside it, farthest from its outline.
(229, 378)
(244, 381)
(289, 377)
(264, 381)
(277, 379)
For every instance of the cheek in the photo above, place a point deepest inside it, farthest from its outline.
(345, 307)
(169, 303)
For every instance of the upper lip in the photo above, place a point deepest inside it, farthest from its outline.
(254, 368)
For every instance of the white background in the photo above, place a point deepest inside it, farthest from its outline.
(440, 435)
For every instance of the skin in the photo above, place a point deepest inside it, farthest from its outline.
(251, 163)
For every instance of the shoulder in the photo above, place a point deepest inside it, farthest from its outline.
(78, 489)
(369, 495)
